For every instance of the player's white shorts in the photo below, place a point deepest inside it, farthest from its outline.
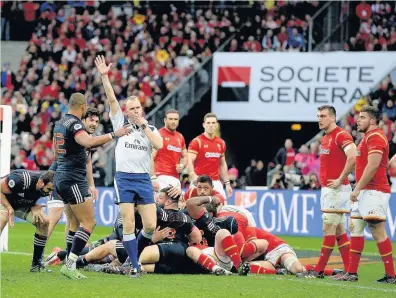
(223, 261)
(275, 255)
(371, 204)
(165, 180)
(336, 200)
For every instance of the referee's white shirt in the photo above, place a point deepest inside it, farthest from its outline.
(133, 151)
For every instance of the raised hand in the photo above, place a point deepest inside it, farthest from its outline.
(101, 65)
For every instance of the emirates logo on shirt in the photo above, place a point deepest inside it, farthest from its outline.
(324, 151)
(173, 148)
(212, 155)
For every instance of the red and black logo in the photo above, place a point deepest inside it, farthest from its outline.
(233, 83)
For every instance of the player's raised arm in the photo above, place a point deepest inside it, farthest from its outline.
(195, 208)
(104, 70)
(84, 139)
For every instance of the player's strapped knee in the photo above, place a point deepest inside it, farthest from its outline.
(356, 227)
(288, 263)
(332, 218)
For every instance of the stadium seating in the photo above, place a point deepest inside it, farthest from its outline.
(152, 49)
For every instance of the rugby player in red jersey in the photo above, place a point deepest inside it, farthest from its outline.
(371, 195)
(206, 156)
(169, 161)
(337, 159)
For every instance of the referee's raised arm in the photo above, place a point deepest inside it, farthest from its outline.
(104, 70)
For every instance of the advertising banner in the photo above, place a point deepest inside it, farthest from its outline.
(282, 212)
(290, 86)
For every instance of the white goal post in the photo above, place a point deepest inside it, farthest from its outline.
(5, 156)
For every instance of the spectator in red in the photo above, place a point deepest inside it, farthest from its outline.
(51, 92)
(286, 154)
(29, 12)
(302, 159)
(363, 11)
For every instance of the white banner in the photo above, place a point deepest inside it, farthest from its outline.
(290, 86)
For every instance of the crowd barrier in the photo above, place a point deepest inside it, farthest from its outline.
(282, 212)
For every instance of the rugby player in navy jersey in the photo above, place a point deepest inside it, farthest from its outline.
(20, 190)
(70, 183)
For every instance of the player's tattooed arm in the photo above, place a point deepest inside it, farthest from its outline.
(104, 70)
(195, 208)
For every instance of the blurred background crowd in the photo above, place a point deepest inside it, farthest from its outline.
(152, 48)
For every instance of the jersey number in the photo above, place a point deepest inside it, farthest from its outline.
(59, 141)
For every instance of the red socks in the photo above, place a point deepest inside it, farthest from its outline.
(327, 248)
(231, 250)
(343, 248)
(357, 245)
(257, 269)
(206, 262)
(385, 250)
(248, 250)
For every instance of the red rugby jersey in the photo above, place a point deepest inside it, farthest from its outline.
(374, 141)
(209, 153)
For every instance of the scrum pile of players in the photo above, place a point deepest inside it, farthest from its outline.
(196, 234)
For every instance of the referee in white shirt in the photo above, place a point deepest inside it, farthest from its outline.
(132, 180)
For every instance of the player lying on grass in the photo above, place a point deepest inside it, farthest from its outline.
(58, 255)
(20, 190)
(280, 258)
(173, 248)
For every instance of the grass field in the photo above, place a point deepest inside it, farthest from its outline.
(17, 281)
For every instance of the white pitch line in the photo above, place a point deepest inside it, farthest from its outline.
(336, 284)
(15, 253)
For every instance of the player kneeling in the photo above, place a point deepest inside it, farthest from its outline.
(20, 190)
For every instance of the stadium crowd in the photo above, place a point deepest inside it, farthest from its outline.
(152, 49)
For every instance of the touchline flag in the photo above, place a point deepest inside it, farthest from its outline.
(233, 83)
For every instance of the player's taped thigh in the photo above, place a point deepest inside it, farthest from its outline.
(288, 263)
(356, 227)
(332, 218)
(55, 204)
